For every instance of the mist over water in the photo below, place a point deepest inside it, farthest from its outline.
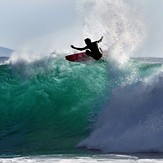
(127, 26)
(121, 24)
(130, 28)
(123, 31)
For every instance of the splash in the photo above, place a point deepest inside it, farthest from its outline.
(132, 119)
(120, 22)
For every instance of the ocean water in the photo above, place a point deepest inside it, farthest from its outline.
(46, 105)
(52, 110)
(58, 111)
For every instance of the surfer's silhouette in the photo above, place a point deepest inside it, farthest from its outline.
(91, 48)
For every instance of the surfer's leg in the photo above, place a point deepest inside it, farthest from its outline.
(88, 52)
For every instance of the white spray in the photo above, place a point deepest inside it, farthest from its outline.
(121, 24)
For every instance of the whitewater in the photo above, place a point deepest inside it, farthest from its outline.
(111, 110)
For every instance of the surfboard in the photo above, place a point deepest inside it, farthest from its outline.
(78, 57)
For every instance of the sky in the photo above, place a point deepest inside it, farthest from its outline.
(23, 21)
(153, 46)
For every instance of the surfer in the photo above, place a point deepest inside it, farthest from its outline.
(91, 48)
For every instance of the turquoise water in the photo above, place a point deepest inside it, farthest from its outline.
(47, 105)
(51, 105)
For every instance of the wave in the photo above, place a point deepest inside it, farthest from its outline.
(45, 104)
(50, 105)
(132, 121)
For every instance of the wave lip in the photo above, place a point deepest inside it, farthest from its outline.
(3, 60)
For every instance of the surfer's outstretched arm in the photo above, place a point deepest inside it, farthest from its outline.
(79, 48)
(100, 40)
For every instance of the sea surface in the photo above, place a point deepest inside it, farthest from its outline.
(53, 110)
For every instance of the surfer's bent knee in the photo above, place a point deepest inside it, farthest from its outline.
(88, 52)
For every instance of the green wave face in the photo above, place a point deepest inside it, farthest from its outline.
(48, 105)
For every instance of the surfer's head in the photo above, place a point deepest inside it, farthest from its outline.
(87, 41)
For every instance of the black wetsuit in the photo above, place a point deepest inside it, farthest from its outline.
(93, 51)
(91, 48)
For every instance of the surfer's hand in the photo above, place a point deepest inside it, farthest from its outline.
(101, 38)
(72, 46)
